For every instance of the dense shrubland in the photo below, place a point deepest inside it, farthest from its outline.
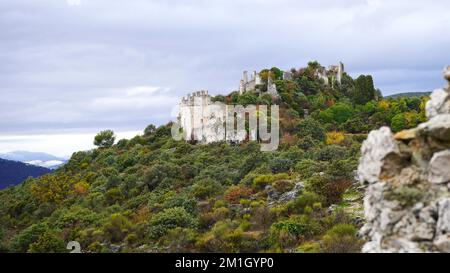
(154, 194)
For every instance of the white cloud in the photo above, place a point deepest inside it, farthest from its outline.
(134, 98)
(62, 145)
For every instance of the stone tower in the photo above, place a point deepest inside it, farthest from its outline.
(201, 119)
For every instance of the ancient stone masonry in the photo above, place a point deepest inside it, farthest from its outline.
(205, 122)
(200, 119)
(333, 73)
(249, 84)
(253, 84)
(407, 201)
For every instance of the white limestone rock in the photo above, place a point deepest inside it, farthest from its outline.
(443, 223)
(401, 245)
(439, 167)
(442, 243)
(375, 149)
(437, 127)
(273, 196)
(447, 73)
(438, 104)
(291, 195)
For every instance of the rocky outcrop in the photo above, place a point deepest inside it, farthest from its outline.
(275, 197)
(407, 200)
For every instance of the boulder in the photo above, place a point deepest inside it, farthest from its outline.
(439, 167)
(443, 223)
(442, 243)
(406, 134)
(437, 127)
(447, 73)
(273, 196)
(291, 195)
(439, 103)
(377, 151)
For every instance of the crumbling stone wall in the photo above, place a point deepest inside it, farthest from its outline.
(407, 201)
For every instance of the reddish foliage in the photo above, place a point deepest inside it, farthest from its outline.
(235, 193)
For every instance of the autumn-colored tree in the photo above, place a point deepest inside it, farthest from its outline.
(335, 138)
(235, 193)
(52, 188)
(81, 188)
(48, 243)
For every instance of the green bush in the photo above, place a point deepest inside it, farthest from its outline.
(312, 128)
(180, 240)
(226, 236)
(158, 172)
(264, 180)
(169, 219)
(286, 233)
(117, 228)
(338, 113)
(22, 241)
(309, 247)
(341, 238)
(306, 199)
(331, 152)
(206, 188)
(280, 165)
(307, 167)
(48, 243)
(182, 200)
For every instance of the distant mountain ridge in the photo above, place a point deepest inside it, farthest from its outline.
(409, 94)
(35, 158)
(14, 172)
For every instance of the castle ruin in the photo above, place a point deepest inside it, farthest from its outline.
(254, 83)
(203, 120)
(333, 73)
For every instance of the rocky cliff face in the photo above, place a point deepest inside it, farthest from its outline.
(407, 201)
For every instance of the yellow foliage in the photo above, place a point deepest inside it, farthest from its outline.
(51, 188)
(335, 138)
(383, 104)
(266, 179)
(142, 214)
(81, 188)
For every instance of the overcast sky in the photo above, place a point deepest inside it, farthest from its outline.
(69, 68)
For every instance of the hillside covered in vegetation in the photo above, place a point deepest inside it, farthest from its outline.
(14, 172)
(154, 194)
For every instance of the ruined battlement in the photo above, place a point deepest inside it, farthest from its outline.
(196, 98)
(252, 84)
(334, 72)
(247, 84)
